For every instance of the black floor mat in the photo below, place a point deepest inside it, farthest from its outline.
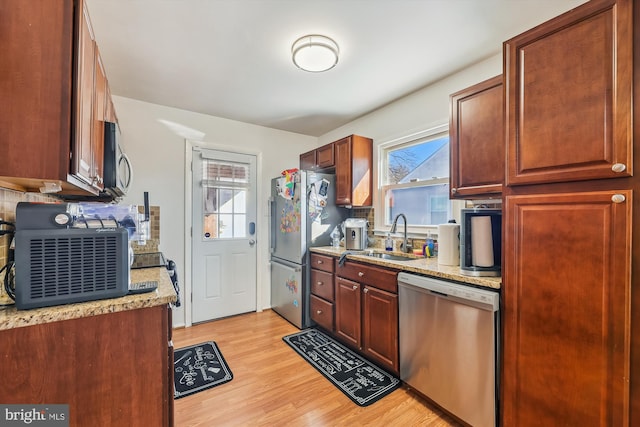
(198, 367)
(359, 379)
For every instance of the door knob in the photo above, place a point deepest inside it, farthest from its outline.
(252, 242)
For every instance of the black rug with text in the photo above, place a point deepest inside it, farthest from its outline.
(198, 367)
(359, 379)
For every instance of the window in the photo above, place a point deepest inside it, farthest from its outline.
(414, 180)
(225, 199)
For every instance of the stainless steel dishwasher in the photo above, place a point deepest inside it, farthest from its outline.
(449, 346)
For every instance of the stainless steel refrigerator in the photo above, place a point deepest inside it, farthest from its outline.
(303, 215)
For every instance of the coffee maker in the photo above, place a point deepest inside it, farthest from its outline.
(481, 242)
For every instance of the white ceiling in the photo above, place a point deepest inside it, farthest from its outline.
(231, 58)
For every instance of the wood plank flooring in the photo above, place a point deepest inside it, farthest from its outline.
(274, 386)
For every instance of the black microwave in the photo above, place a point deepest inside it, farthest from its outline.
(118, 172)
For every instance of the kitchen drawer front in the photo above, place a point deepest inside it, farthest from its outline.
(322, 312)
(322, 262)
(322, 284)
(380, 278)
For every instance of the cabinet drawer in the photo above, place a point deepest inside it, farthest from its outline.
(322, 262)
(380, 278)
(322, 312)
(322, 284)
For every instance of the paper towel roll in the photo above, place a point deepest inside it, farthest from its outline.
(481, 241)
(449, 244)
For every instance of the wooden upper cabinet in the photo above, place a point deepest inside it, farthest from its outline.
(568, 96)
(566, 309)
(325, 156)
(476, 132)
(354, 171)
(85, 81)
(320, 159)
(52, 126)
(308, 160)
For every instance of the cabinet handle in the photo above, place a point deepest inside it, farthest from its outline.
(360, 273)
(618, 198)
(355, 287)
(618, 167)
(319, 283)
(365, 290)
(319, 312)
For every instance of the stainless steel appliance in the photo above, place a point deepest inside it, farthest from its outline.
(481, 242)
(355, 234)
(303, 214)
(118, 172)
(449, 346)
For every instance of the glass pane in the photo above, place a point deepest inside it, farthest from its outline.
(240, 201)
(239, 226)
(210, 200)
(210, 226)
(225, 226)
(226, 200)
(428, 205)
(419, 162)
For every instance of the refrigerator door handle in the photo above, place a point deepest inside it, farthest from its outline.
(289, 265)
(272, 229)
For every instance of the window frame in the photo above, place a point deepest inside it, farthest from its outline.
(381, 227)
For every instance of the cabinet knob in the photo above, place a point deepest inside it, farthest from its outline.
(355, 287)
(618, 167)
(319, 261)
(319, 283)
(360, 273)
(319, 312)
(365, 290)
(454, 190)
(618, 198)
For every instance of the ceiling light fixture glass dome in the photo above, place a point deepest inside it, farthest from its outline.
(315, 53)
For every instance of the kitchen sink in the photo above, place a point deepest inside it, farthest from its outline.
(389, 257)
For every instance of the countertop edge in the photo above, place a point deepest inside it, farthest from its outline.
(11, 318)
(420, 265)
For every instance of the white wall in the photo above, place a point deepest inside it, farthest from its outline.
(418, 111)
(158, 158)
(158, 154)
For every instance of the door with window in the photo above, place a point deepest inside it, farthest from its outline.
(224, 234)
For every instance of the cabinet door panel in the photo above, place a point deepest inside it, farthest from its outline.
(325, 156)
(322, 262)
(567, 307)
(343, 171)
(348, 311)
(84, 99)
(477, 139)
(380, 327)
(568, 101)
(308, 160)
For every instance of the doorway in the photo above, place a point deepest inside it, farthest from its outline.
(223, 241)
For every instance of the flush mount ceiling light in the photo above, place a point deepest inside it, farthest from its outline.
(315, 53)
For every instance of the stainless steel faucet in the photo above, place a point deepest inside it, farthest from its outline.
(405, 248)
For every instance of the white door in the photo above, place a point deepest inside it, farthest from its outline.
(224, 234)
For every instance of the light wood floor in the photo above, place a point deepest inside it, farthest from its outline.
(273, 386)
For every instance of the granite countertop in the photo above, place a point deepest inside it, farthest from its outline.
(420, 265)
(11, 318)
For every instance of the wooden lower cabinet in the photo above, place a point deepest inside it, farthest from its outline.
(567, 330)
(367, 316)
(112, 369)
(322, 298)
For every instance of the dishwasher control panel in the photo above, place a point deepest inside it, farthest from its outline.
(468, 294)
